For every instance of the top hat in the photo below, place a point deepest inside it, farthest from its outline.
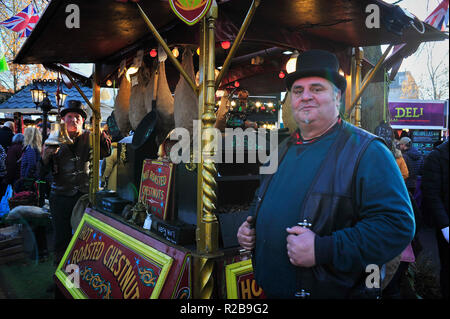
(73, 106)
(319, 63)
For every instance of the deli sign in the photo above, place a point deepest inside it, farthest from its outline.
(418, 114)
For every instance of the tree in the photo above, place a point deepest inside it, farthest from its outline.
(433, 83)
(18, 74)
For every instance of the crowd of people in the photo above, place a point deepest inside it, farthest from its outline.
(64, 169)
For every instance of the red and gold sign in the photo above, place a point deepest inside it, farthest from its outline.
(156, 179)
(241, 283)
(104, 262)
(190, 11)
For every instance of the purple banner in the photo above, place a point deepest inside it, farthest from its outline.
(418, 113)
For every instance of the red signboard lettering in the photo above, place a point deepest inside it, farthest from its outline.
(110, 270)
(155, 187)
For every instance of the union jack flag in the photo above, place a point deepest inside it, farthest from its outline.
(439, 16)
(23, 22)
(438, 19)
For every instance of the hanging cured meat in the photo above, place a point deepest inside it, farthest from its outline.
(137, 97)
(185, 100)
(288, 119)
(122, 106)
(149, 90)
(164, 103)
(221, 121)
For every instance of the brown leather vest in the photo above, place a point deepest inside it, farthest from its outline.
(72, 167)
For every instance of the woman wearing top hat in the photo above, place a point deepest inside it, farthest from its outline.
(338, 208)
(69, 166)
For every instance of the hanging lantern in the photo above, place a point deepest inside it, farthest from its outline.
(153, 53)
(291, 64)
(281, 75)
(236, 84)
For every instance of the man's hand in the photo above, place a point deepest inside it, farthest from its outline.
(48, 153)
(246, 235)
(300, 246)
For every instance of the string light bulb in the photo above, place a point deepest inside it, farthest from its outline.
(236, 84)
(281, 75)
(225, 45)
(108, 82)
(153, 53)
(175, 52)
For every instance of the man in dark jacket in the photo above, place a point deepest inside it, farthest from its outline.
(414, 161)
(435, 200)
(69, 165)
(337, 208)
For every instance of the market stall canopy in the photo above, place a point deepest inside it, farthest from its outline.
(112, 30)
(22, 102)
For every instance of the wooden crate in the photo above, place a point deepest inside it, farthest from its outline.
(11, 244)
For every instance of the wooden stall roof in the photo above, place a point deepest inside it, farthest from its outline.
(112, 30)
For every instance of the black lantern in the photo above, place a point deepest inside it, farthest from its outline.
(40, 98)
(37, 95)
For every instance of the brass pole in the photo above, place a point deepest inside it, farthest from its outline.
(208, 227)
(369, 78)
(166, 49)
(237, 41)
(96, 118)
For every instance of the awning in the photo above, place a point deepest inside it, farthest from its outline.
(111, 31)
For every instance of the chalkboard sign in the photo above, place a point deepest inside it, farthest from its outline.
(423, 140)
(384, 130)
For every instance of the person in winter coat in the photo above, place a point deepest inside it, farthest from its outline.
(28, 175)
(30, 158)
(69, 166)
(414, 160)
(392, 290)
(435, 200)
(14, 159)
(337, 199)
(109, 176)
(400, 161)
(6, 134)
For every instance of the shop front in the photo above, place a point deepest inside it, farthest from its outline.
(425, 122)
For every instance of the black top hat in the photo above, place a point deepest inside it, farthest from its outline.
(319, 63)
(73, 106)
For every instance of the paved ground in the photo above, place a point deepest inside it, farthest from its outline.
(29, 278)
